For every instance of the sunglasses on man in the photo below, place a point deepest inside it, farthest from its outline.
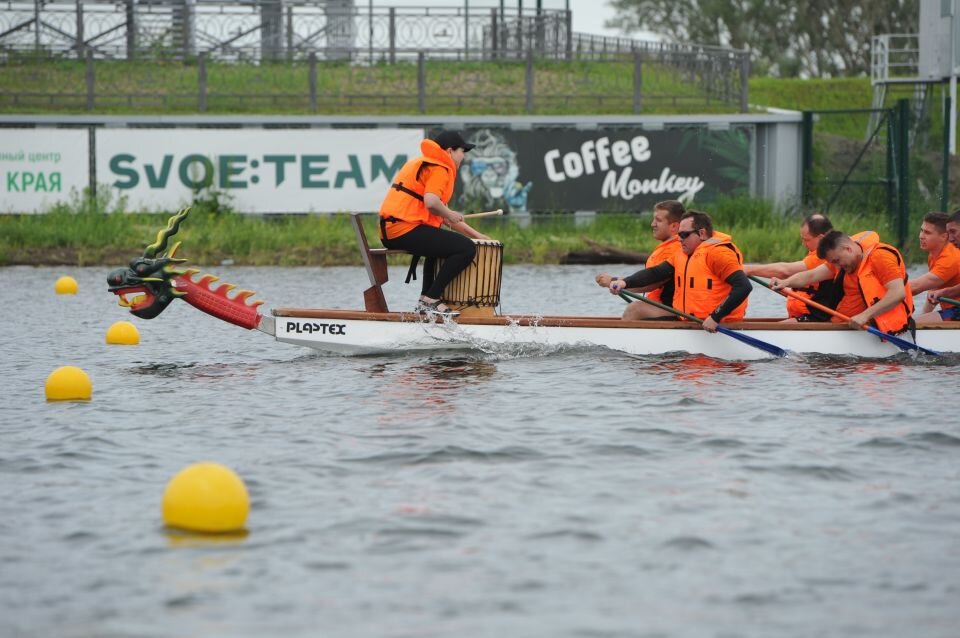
(683, 234)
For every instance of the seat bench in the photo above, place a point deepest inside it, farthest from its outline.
(375, 261)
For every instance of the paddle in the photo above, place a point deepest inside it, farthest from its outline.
(949, 300)
(903, 344)
(750, 341)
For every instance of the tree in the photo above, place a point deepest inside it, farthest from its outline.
(813, 38)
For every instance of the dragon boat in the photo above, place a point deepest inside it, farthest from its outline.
(154, 280)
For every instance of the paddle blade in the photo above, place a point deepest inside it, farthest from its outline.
(756, 343)
(903, 344)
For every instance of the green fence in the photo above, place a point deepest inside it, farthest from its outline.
(902, 166)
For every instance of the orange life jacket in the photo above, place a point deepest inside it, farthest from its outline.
(897, 319)
(796, 307)
(699, 291)
(664, 252)
(947, 252)
(404, 200)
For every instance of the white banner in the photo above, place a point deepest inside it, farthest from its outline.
(259, 171)
(41, 167)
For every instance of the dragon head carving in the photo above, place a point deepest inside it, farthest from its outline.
(152, 281)
(149, 278)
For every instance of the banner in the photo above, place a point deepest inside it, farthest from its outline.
(41, 167)
(607, 169)
(255, 170)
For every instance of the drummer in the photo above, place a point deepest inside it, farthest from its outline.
(414, 209)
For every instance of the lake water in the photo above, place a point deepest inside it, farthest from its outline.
(574, 493)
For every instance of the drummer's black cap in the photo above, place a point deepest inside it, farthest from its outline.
(452, 139)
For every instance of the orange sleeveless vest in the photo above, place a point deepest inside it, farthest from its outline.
(663, 252)
(897, 319)
(404, 200)
(699, 291)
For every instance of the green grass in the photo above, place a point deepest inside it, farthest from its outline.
(45, 85)
(84, 235)
(30, 84)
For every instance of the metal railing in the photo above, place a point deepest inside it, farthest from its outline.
(894, 57)
(194, 40)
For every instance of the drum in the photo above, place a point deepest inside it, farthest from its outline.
(478, 285)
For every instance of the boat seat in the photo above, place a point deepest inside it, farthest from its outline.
(375, 261)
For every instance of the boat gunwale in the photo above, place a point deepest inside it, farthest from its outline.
(579, 321)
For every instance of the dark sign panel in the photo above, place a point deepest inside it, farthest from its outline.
(603, 170)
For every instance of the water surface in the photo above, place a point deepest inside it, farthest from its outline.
(570, 493)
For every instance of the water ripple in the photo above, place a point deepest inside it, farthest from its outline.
(450, 454)
(822, 472)
(619, 450)
(574, 534)
(688, 543)
(937, 439)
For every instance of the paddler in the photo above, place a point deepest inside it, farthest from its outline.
(827, 292)
(707, 274)
(416, 207)
(874, 283)
(665, 224)
(943, 263)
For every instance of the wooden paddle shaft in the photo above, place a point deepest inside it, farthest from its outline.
(489, 213)
(810, 302)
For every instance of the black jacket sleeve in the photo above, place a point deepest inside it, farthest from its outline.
(740, 289)
(661, 272)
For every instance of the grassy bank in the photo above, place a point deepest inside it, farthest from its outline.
(30, 84)
(86, 237)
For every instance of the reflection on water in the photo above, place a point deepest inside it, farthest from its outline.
(182, 539)
(197, 371)
(411, 390)
(700, 368)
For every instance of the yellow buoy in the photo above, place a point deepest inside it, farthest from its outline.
(68, 383)
(206, 497)
(66, 285)
(123, 333)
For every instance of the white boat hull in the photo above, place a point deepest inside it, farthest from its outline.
(358, 333)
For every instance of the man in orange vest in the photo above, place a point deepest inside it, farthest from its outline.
(875, 288)
(828, 293)
(707, 273)
(666, 222)
(953, 228)
(416, 206)
(943, 262)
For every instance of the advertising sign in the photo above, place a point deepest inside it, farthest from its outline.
(605, 169)
(41, 167)
(255, 170)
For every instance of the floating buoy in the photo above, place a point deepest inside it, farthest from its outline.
(66, 285)
(123, 333)
(68, 383)
(206, 497)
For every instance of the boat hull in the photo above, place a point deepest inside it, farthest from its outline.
(348, 332)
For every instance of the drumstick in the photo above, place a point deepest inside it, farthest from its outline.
(489, 213)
